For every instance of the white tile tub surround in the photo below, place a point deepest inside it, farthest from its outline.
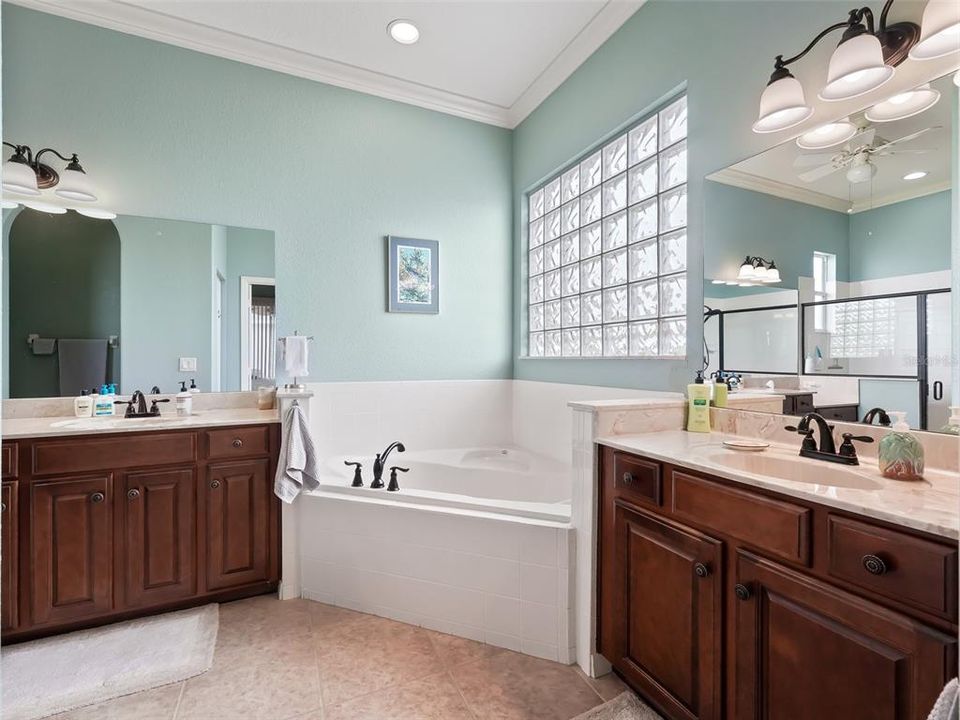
(502, 581)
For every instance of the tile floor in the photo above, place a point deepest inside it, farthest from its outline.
(301, 660)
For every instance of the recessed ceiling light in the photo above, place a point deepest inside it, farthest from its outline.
(404, 32)
(827, 135)
(915, 175)
(904, 105)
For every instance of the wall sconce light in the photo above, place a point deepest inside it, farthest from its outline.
(864, 60)
(25, 176)
(756, 270)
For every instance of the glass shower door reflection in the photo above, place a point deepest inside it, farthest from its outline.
(939, 360)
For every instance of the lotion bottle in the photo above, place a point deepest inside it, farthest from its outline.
(698, 405)
(720, 390)
(103, 403)
(184, 401)
(83, 405)
(900, 454)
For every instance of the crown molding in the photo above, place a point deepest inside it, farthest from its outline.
(153, 25)
(748, 181)
(894, 198)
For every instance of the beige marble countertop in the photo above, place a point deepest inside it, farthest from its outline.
(16, 428)
(770, 391)
(931, 505)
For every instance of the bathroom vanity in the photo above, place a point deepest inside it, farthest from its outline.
(113, 525)
(724, 599)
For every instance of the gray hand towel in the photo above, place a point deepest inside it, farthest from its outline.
(946, 707)
(83, 365)
(297, 465)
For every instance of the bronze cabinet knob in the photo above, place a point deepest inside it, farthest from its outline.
(874, 565)
(742, 591)
(701, 570)
(214, 484)
(133, 493)
(627, 478)
(238, 443)
(97, 497)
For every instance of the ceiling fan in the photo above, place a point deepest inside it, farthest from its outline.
(858, 157)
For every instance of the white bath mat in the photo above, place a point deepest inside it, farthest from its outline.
(625, 706)
(52, 675)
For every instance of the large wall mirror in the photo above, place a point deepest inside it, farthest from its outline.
(139, 302)
(828, 266)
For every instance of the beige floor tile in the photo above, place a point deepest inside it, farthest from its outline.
(607, 687)
(431, 698)
(455, 650)
(371, 654)
(156, 704)
(511, 686)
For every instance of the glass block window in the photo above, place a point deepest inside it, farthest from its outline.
(607, 248)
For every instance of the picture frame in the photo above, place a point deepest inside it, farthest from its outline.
(413, 275)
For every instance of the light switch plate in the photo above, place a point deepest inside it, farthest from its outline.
(188, 364)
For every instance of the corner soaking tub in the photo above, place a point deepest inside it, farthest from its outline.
(477, 542)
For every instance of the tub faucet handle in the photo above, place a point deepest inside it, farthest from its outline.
(394, 485)
(357, 477)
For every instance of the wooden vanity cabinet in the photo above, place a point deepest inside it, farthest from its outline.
(108, 527)
(720, 601)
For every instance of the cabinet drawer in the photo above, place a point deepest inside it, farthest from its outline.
(776, 527)
(113, 452)
(896, 565)
(844, 413)
(10, 460)
(238, 442)
(640, 479)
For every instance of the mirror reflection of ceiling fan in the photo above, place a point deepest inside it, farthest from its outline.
(859, 157)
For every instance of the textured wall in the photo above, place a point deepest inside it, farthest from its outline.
(175, 134)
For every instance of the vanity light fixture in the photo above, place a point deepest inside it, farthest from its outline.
(863, 61)
(904, 105)
(915, 175)
(24, 174)
(828, 135)
(403, 31)
(44, 207)
(757, 270)
(96, 213)
(941, 30)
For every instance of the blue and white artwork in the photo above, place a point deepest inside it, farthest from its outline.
(413, 275)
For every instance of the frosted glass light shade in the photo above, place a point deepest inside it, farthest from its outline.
(856, 67)
(773, 274)
(904, 105)
(939, 30)
(782, 106)
(97, 213)
(76, 185)
(746, 271)
(827, 135)
(44, 207)
(19, 179)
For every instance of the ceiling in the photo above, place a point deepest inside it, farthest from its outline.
(778, 170)
(487, 60)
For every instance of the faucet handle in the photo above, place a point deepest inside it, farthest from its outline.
(357, 477)
(847, 448)
(154, 410)
(394, 485)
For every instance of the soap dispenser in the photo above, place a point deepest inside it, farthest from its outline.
(953, 424)
(698, 405)
(184, 400)
(900, 454)
(83, 405)
(193, 387)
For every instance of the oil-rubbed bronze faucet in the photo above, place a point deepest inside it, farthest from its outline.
(381, 462)
(847, 455)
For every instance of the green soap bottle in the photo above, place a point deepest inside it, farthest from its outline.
(698, 405)
(900, 454)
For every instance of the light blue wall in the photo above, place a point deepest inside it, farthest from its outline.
(165, 268)
(878, 238)
(721, 52)
(742, 222)
(249, 252)
(167, 132)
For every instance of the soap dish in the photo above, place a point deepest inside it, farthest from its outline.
(746, 445)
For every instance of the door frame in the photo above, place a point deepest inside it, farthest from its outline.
(216, 366)
(246, 301)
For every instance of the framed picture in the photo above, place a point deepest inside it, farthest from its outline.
(413, 275)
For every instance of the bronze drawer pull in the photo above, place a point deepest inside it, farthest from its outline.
(627, 478)
(742, 591)
(215, 484)
(3, 507)
(238, 443)
(133, 493)
(874, 565)
(97, 497)
(701, 570)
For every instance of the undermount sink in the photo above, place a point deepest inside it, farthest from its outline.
(794, 468)
(118, 422)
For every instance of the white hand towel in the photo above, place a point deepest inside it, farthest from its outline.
(297, 465)
(946, 707)
(295, 356)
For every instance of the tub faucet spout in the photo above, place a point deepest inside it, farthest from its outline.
(381, 462)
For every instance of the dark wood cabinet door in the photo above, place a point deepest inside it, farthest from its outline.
(71, 537)
(237, 523)
(807, 651)
(159, 525)
(9, 556)
(667, 613)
